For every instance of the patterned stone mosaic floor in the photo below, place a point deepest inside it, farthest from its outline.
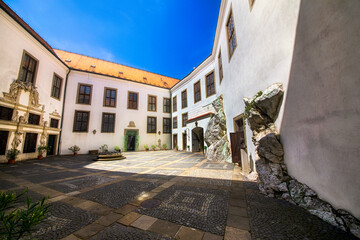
(156, 195)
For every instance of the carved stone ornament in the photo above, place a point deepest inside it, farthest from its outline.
(43, 139)
(17, 139)
(15, 117)
(55, 114)
(15, 88)
(131, 124)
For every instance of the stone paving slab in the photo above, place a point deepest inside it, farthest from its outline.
(118, 194)
(200, 208)
(180, 165)
(62, 221)
(78, 183)
(5, 185)
(120, 232)
(217, 166)
(46, 177)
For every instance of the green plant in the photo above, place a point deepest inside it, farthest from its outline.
(74, 148)
(176, 147)
(153, 147)
(188, 146)
(12, 154)
(251, 104)
(205, 147)
(41, 149)
(15, 222)
(146, 147)
(164, 146)
(117, 148)
(104, 148)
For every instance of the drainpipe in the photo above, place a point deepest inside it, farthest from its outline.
(62, 112)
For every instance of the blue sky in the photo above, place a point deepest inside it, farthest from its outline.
(169, 37)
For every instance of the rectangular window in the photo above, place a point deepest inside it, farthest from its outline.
(56, 86)
(210, 85)
(174, 104)
(152, 103)
(167, 105)
(197, 92)
(184, 99)
(3, 141)
(151, 124)
(220, 67)
(34, 119)
(175, 122)
(110, 97)
(54, 123)
(27, 69)
(84, 94)
(81, 121)
(133, 100)
(231, 35)
(166, 125)
(184, 119)
(108, 122)
(6, 113)
(30, 143)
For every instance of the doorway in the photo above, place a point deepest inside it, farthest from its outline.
(238, 140)
(175, 142)
(184, 141)
(51, 145)
(197, 137)
(131, 140)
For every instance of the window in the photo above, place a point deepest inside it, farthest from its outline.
(3, 141)
(110, 97)
(197, 92)
(152, 103)
(174, 104)
(27, 69)
(184, 119)
(54, 123)
(56, 86)
(30, 143)
(133, 100)
(210, 84)
(184, 99)
(231, 35)
(81, 121)
(167, 105)
(108, 122)
(166, 125)
(151, 124)
(174, 122)
(220, 67)
(6, 113)
(84, 94)
(34, 119)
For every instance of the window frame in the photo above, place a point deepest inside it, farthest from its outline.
(36, 67)
(164, 98)
(37, 116)
(104, 100)
(183, 123)
(78, 93)
(147, 124)
(88, 121)
(174, 104)
(9, 114)
(169, 132)
(55, 119)
(182, 99)
(228, 40)
(27, 150)
(102, 122)
(60, 87)
(206, 83)
(173, 125)
(137, 100)
(148, 105)
(198, 82)
(221, 73)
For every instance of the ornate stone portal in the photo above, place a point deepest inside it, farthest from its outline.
(274, 181)
(15, 89)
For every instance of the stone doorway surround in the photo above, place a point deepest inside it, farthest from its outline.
(131, 132)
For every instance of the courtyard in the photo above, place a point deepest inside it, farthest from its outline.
(156, 195)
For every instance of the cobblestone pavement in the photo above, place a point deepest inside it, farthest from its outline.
(156, 195)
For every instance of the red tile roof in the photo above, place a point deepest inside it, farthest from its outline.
(89, 64)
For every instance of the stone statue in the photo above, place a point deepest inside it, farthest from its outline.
(17, 139)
